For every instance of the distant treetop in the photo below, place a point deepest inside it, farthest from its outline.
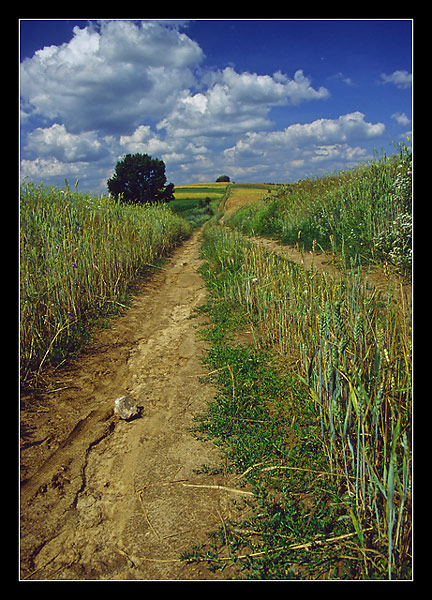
(223, 178)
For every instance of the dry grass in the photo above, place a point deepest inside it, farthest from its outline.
(179, 195)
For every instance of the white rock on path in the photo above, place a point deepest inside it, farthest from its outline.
(126, 407)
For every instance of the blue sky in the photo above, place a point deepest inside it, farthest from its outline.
(258, 100)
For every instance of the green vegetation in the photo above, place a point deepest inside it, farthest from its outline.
(314, 414)
(362, 213)
(198, 203)
(196, 211)
(140, 179)
(79, 254)
(344, 376)
(197, 191)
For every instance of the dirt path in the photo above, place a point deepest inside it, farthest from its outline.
(103, 498)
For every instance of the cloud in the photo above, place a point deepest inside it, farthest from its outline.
(110, 79)
(46, 168)
(122, 87)
(251, 88)
(401, 119)
(172, 150)
(237, 102)
(307, 145)
(346, 128)
(401, 79)
(57, 142)
(289, 154)
(149, 43)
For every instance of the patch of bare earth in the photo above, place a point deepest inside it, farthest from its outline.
(107, 499)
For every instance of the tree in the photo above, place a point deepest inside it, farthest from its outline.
(223, 178)
(139, 178)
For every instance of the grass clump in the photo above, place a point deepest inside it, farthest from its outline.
(265, 423)
(78, 255)
(364, 212)
(346, 356)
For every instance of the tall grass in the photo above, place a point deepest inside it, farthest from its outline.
(352, 348)
(365, 211)
(78, 255)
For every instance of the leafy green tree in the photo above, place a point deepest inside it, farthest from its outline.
(223, 178)
(139, 178)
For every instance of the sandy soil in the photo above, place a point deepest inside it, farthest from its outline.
(107, 499)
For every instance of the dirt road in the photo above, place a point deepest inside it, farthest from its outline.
(103, 498)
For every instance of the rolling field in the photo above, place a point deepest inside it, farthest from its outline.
(225, 198)
(243, 194)
(198, 203)
(198, 191)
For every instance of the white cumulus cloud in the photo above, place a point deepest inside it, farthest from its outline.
(346, 128)
(57, 142)
(150, 44)
(45, 168)
(109, 79)
(123, 86)
(307, 144)
(237, 102)
(251, 88)
(401, 79)
(401, 119)
(172, 150)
